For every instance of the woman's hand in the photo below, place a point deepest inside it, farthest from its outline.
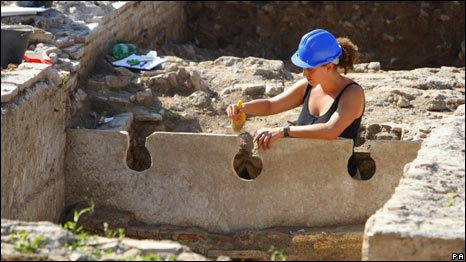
(266, 136)
(233, 112)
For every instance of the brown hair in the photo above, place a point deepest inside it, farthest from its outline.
(349, 56)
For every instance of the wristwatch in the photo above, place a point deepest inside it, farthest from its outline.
(286, 129)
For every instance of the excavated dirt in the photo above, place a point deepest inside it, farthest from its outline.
(400, 35)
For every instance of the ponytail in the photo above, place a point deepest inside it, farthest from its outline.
(349, 56)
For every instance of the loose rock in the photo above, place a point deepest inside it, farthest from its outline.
(199, 99)
(273, 90)
(251, 89)
(56, 240)
(436, 105)
(403, 103)
(117, 81)
(373, 67)
(121, 71)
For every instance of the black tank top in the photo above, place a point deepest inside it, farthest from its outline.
(306, 118)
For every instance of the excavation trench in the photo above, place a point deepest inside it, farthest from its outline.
(219, 196)
(166, 176)
(169, 177)
(215, 192)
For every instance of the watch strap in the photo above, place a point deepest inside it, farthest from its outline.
(286, 130)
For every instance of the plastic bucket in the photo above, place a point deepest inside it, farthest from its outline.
(15, 40)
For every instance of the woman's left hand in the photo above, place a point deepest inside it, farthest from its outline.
(266, 136)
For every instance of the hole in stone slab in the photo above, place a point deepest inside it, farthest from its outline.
(246, 165)
(138, 157)
(365, 166)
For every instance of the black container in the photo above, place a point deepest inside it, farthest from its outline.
(15, 40)
(34, 3)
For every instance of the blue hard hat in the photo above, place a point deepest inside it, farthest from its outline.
(316, 48)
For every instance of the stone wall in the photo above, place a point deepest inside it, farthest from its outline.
(425, 218)
(33, 144)
(34, 112)
(141, 22)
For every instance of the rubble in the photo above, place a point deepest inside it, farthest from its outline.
(48, 241)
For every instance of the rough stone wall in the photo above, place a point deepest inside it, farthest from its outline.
(401, 35)
(141, 22)
(425, 218)
(33, 144)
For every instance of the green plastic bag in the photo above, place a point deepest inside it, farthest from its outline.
(131, 48)
(120, 51)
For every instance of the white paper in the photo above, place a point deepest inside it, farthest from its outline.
(146, 65)
(106, 120)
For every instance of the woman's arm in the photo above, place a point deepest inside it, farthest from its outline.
(350, 107)
(289, 99)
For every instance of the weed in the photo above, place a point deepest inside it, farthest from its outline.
(450, 201)
(71, 225)
(97, 254)
(151, 257)
(22, 243)
(274, 253)
(64, 80)
(111, 233)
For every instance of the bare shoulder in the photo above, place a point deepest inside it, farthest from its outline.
(302, 83)
(354, 90)
(290, 98)
(297, 89)
(353, 97)
(300, 86)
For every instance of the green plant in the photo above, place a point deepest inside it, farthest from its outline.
(151, 257)
(71, 225)
(274, 253)
(97, 254)
(22, 243)
(111, 233)
(451, 200)
(64, 80)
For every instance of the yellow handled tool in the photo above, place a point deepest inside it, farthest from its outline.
(237, 125)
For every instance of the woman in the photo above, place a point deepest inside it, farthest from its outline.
(333, 104)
